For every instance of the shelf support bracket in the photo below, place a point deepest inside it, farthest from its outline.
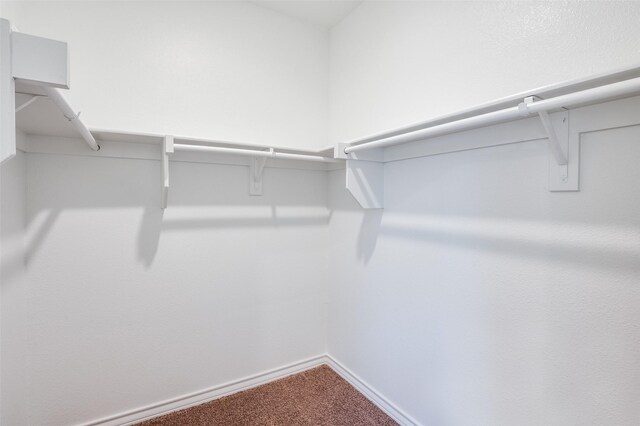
(30, 99)
(365, 181)
(564, 152)
(256, 172)
(364, 177)
(167, 149)
(34, 60)
(557, 146)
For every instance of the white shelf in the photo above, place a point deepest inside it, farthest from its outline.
(544, 92)
(547, 114)
(499, 122)
(43, 118)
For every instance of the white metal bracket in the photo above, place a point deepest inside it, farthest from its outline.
(27, 100)
(364, 175)
(564, 155)
(256, 172)
(564, 165)
(32, 59)
(365, 181)
(167, 149)
(558, 147)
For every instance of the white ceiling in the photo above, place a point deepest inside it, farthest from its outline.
(321, 12)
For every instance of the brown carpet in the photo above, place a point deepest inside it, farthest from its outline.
(314, 397)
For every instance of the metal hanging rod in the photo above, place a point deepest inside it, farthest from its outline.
(602, 93)
(70, 115)
(254, 153)
(259, 157)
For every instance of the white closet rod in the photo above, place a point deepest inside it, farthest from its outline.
(70, 115)
(601, 93)
(253, 153)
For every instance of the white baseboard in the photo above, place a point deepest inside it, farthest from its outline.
(374, 396)
(144, 413)
(195, 398)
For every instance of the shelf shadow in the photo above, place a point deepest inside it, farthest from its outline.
(594, 255)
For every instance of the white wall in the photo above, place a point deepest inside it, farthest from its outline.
(395, 63)
(122, 306)
(12, 280)
(478, 297)
(125, 306)
(218, 70)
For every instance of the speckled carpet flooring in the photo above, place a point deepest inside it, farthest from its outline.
(314, 397)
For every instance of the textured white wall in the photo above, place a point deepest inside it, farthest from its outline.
(12, 283)
(479, 297)
(121, 305)
(394, 63)
(219, 70)
(125, 306)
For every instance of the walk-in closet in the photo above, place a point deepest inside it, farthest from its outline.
(324, 213)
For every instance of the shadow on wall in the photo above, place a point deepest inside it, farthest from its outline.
(616, 247)
(202, 196)
(153, 224)
(368, 234)
(597, 246)
(149, 235)
(352, 215)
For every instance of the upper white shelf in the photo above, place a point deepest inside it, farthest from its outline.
(544, 92)
(29, 99)
(43, 118)
(539, 114)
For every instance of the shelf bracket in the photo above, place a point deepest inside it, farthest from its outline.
(564, 152)
(558, 146)
(167, 149)
(365, 181)
(256, 172)
(28, 101)
(364, 177)
(34, 60)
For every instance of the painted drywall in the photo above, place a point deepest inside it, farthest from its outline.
(394, 63)
(12, 282)
(479, 297)
(217, 70)
(122, 306)
(126, 306)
